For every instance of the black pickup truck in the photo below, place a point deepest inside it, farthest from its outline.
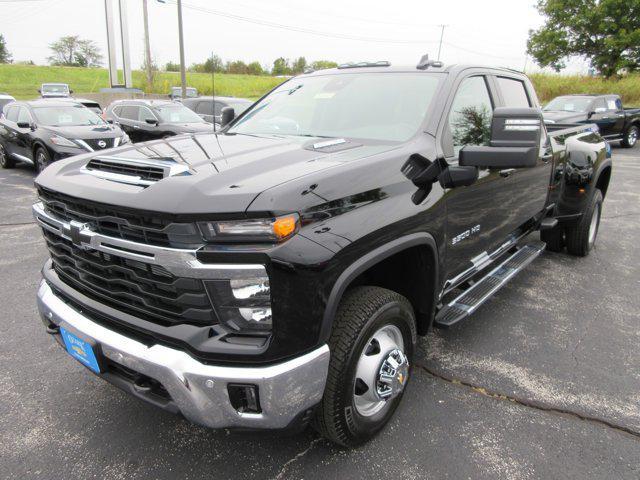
(614, 121)
(280, 271)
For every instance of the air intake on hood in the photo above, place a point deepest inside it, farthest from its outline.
(135, 172)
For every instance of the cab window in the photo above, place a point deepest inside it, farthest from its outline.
(129, 112)
(514, 93)
(145, 114)
(471, 114)
(205, 108)
(12, 114)
(23, 116)
(599, 106)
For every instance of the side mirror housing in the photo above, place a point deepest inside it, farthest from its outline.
(39, 91)
(151, 121)
(515, 141)
(228, 114)
(23, 125)
(456, 176)
(70, 91)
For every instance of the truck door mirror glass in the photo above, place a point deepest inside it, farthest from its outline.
(228, 114)
(515, 141)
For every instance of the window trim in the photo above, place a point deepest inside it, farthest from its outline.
(514, 79)
(141, 107)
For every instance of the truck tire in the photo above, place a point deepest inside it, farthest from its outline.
(42, 159)
(372, 345)
(581, 237)
(5, 160)
(631, 137)
(554, 238)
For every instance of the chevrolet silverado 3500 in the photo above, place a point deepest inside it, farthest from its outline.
(280, 271)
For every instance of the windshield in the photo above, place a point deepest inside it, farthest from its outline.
(71, 116)
(178, 114)
(377, 106)
(569, 104)
(55, 88)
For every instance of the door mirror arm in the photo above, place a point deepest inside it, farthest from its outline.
(423, 174)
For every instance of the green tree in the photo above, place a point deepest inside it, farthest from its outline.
(72, 51)
(5, 56)
(254, 68)
(606, 32)
(299, 65)
(280, 67)
(172, 67)
(237, 67)
(322, 64)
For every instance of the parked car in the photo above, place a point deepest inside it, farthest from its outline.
(4, 99)
(151, 119)
(90, 104)
(606, 111)
(176, 93)
(42, 131)
(55, 90)
(281, 270)
(210, 109)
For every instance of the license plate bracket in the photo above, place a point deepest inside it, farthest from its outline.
(82, 348)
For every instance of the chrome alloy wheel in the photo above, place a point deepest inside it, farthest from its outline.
(3, 156)
(41, 161)
(593, 226)
(632, 136)
(382, 371)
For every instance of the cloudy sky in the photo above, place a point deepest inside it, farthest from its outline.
(491, 32)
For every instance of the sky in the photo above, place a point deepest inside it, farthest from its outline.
(488, 32)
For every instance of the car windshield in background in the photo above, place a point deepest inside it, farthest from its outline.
(178, 114)
(376, 106)
(569, 104)
(72, 116)
(55, 89)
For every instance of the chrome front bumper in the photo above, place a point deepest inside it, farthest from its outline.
(199, 391)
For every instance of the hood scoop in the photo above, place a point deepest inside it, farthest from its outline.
(140, 172)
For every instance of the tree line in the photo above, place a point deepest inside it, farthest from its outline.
(281, 66)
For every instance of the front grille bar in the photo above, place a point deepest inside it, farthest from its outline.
(180, 262)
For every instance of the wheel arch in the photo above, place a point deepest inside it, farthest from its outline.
(602, 182)
(414, 255)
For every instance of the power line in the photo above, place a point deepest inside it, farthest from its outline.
(293, 28)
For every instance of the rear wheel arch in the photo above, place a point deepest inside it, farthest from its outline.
(407, 265)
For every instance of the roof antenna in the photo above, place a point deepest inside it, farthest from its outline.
(425, 63)
(213, 93)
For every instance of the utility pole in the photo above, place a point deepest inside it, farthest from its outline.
(147, 45)
(441, 35)
(183, 75)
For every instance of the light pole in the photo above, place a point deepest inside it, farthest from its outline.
(183, 74)
(147, 45)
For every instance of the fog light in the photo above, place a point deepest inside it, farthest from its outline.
(244, 398)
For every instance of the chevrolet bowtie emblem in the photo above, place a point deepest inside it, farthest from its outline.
(75, 232)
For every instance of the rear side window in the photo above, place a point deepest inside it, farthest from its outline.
(599, 105)
(205, 108)
(514, 92)
(614, 104)
(23, 115)
(12, 114)
(129, 112)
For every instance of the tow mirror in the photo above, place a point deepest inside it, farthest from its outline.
(228, 114)
(515, 141)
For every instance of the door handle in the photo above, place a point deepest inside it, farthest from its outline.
(507, 172)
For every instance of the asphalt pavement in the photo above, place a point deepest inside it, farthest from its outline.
(543, 381)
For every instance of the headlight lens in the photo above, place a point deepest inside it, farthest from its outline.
(258, 230)
(243, 305)
(63, 142)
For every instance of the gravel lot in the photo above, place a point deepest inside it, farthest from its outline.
(542, 382)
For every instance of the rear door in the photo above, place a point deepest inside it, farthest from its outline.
(128, 119)
(477, 215)
(602, 117)
(9, 129)
(529, 186)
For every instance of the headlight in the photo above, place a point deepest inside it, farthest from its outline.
(258, 230)
(63, 142)
(243, 305)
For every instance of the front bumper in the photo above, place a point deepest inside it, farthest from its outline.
(197, 390)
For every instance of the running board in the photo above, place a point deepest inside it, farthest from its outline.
(469, 301)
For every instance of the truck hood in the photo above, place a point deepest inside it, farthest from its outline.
(225, 172)
(564, 117)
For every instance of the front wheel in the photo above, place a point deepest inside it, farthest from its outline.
(581, 237)
(43, 159)
(372, 346)
(5, 160)
(631, 137)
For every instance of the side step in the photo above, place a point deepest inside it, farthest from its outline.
(469, 301)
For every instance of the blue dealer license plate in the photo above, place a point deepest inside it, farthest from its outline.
(80, 349)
